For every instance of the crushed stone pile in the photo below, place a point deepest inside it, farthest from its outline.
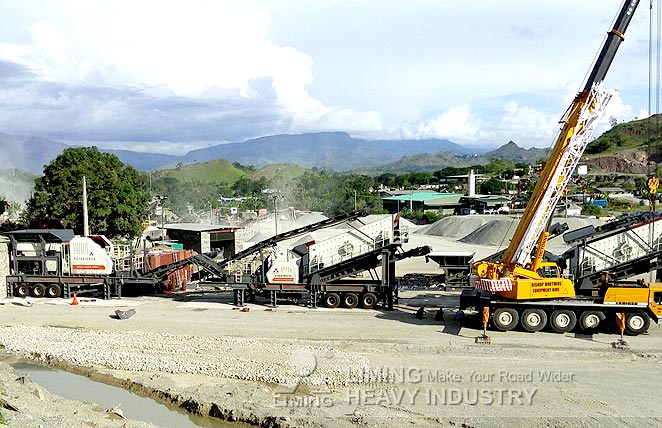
(496, 230)
(455, 227)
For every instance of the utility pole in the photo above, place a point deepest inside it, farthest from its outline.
(86, 227)
(275, 215)
(354, 200)
(161, 199)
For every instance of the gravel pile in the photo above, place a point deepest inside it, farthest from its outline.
(496, 230)
(228, 357)
(455, 227)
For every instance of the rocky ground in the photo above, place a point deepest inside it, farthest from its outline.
(295, 366)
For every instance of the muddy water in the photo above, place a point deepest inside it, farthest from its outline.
(81, 388)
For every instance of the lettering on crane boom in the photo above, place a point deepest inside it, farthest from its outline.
(632, 6)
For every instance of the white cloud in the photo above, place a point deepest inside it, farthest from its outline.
(201, 50)
(529, 126)
(456, 123)
(167, 147)
(623, 112)
(210, 70)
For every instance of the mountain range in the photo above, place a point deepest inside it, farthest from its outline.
(334, 151)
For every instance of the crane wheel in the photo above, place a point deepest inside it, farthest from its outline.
(350, 300)
(505, 319)
(368, 301)
(637, 323)
(38, 290)
(533, 320)
(331, 300)
(563, 320)
(22, 290)
(53, 291)
(589, 321)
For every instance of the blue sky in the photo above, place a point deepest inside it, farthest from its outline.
(168, 76)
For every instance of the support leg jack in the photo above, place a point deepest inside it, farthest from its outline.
(484, 339)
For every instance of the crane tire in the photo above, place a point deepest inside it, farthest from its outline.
(505, 319)
(563, 320)
(637, 323)
(589, 321)
(533, 320)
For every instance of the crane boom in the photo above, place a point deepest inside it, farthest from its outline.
(517, 269)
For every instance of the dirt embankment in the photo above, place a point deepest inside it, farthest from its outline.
(624, 162)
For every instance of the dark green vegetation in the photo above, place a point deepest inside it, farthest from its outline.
(501, 168)
(510, 153)
(201, 185)
(644, 134)
(282, 185)
(117, 194)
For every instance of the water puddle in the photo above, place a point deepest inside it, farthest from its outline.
(81, 388)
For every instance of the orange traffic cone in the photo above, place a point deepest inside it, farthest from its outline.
(75, 301)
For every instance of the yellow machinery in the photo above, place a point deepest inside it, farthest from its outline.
(521, 289)
(519, 275)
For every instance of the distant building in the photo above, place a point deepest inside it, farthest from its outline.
(611, 191)
(572, 210)
(483, 204)
(204, 238)
(443, 203)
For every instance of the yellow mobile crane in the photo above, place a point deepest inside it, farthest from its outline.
(521, 287)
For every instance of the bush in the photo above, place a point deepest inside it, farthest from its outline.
(590, 209)
(420, 216)
(598, 146)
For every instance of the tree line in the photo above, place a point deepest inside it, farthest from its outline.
(119, 196)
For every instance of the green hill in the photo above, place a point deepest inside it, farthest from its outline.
(641, 134)
(425, 162)
(217, 171)
(271, 171)
(628, 148)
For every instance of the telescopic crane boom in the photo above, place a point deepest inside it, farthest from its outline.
(519, 275)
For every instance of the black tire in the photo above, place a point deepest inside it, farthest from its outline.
(38, 290)
(350, 300)
(505, 319)
(53, 291)
(368, 301)
(589, 321)
(637, 323)
(22, 290)
(563, 320)
(331, 300)
(533, 320)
